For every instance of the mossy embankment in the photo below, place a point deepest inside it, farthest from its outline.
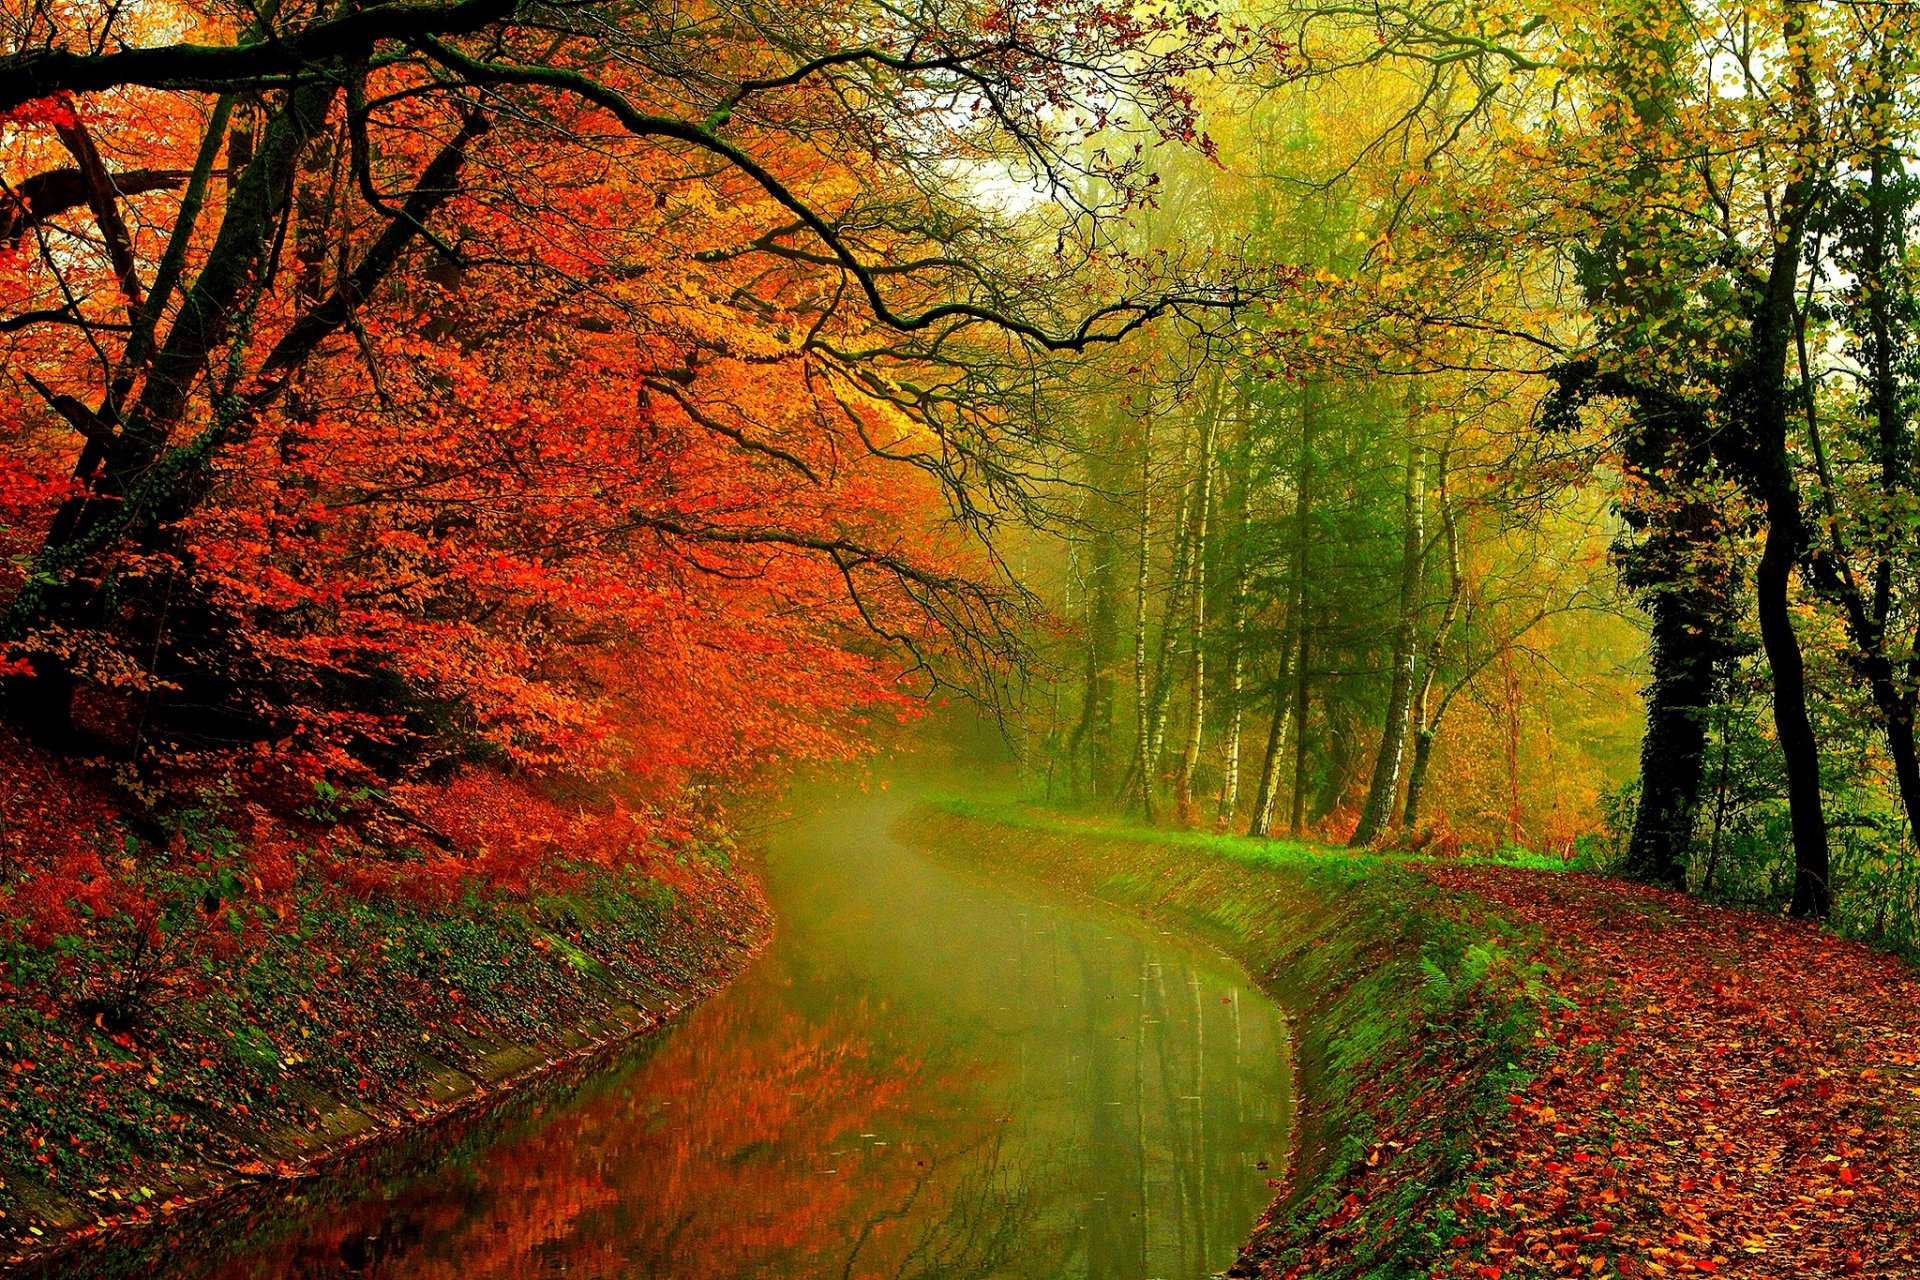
(1418, 1013)
(1510, 1071)
(353, 1017)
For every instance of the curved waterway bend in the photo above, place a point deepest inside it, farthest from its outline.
(925, 1075)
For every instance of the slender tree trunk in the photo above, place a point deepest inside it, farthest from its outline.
(1302, 569)
(1302, 691)
(1510, 685)
(1384, 786)
(1721, 795)
(1291, 709)
(1143, 719)
(1195, 462)
(1197, 668)
(1267, 797)
(1881, 246)
(1417, 776)
(1232, 543)
(1758, 399)
(1236, 691)
(1338, 746)
(1426, 719)
(1866, 621)
(1092, 737)
(1084, 741)
(1812, 892)
(1906, 758)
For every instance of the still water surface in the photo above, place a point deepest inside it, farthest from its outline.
(926, 1075)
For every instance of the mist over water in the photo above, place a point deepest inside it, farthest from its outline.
(926, 1075)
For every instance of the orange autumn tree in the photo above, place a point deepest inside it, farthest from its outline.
(567, 385)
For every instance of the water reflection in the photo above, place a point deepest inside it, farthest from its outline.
(924, 1077)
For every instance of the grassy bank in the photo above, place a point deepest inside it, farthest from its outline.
(253, 1031)
(1419, 1015)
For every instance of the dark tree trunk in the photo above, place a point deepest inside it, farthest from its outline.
(1758, 399)
(1799, 750)
(152, 482)
(1879, 243)
(1384, 786)
(1754, 443)
(1339, 746)
(1684, 683)
(1417, 776)
(1906, 761)
(1302, 693)
(1268, 799)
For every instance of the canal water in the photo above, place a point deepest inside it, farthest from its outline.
(927, 1075)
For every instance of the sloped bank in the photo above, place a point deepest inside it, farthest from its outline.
(356, 1020)
(1417, 1015)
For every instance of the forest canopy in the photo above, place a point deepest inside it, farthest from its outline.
(1295, 418)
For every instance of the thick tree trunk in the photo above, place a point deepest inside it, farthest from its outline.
(153, 483)
(130, 484)
(1673, 750)
(1384, 786)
